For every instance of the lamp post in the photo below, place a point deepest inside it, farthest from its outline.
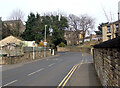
(45, 43)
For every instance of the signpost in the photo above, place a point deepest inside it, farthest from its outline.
(33, 50)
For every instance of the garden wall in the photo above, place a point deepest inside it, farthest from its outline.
(106, 57)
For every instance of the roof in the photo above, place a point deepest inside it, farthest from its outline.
(114, 43)
(115, 22)
(12, 21)
(10, 39)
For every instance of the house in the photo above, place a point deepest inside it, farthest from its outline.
(14, 25)
(72, 37)
(29, 43)
(111, 30)
(10, 40)
(0, 28)
(9, 45)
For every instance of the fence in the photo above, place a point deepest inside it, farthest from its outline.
(36, 49)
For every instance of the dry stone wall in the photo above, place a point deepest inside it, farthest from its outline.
(107, 65)
(27, 56)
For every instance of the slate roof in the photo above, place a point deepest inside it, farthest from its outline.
(113, 43)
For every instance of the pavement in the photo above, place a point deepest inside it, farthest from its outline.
(85, 75)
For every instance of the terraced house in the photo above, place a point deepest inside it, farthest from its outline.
(111, 30)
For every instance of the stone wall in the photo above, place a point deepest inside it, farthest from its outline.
(27, 56)
(107, 65)
(74, 49)
(62, 49)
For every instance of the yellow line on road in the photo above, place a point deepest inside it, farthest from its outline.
(66, 76)
(69, 76)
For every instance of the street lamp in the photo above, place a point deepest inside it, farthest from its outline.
(45, 43)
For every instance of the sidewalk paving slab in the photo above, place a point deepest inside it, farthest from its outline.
(85, 75)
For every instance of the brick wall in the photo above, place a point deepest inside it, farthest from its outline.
(27, 56)
(107, 65)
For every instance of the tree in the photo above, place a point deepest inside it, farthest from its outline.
(74, 22)
(86, 22)
(29, 33)
(35, 28)
(17, 14)
(99, 32)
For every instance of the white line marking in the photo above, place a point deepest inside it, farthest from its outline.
(0, 66)
(10, 83)
(51, 64)
(35, 72)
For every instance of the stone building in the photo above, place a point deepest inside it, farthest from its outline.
(111, 30)
(15, 24)
(73, 37)
(9, 45)
(0, 28)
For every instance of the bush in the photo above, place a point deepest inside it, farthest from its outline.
(61, 44)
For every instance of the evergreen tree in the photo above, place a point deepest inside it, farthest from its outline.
(35, 28)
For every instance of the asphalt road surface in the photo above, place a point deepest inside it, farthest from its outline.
(46, 72)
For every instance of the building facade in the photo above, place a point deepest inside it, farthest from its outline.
(15, 25)
(73, 37)
(111, 30)
(0, 28)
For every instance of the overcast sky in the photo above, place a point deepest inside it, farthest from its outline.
(77, 7)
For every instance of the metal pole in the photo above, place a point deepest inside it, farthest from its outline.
(45, 32)
(33, 52)
(45, 42)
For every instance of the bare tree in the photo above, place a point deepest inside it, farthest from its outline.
(16, 19)
(17, 14)
(74, 21)
(86, 23)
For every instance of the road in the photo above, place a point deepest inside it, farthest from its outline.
(46, 72)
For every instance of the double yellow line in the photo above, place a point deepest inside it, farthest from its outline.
(67, 77)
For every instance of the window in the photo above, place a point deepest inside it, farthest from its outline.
(108, 29)
(109, 37)
(117, 27)
(116, 34)
(69, 35)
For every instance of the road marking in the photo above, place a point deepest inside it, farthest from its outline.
(0, 66)
(68, 76)
(35, 72)
(10, 83)
(51, 64)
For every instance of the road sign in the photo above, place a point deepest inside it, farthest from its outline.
(45, 43)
